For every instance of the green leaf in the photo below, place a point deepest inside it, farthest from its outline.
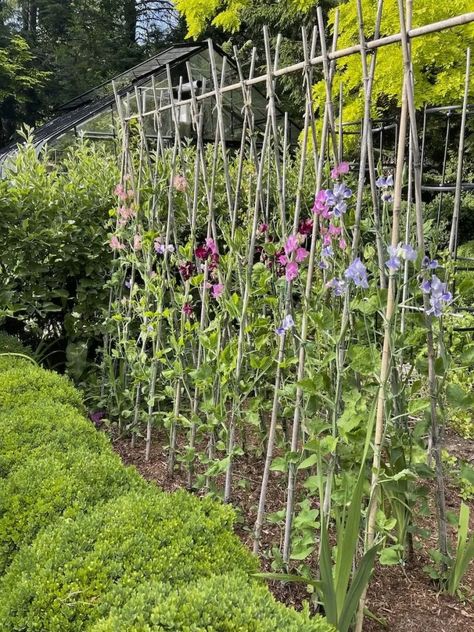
(308, 462)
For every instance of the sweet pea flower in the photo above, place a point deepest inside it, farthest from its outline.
(291, 244)
(336, 198)
(217, 290)
(211, 246)
(286, 324)
(357, 273)
(429, 264)
(180, 183)
(188, 309)
(137, 242)
(291, 271)
(327, 251)
(339, 170)
(338, 286)
(439, 295)
(402, 251)
(186, 270)
(320, 206)
(306, 227)
(120, 192)
(115, 243)
(342, 243)
(301, 254)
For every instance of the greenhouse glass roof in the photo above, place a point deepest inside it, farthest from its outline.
(94, 115)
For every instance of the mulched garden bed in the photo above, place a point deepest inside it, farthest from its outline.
(401, 598)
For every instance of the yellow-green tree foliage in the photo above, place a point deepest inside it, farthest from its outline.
(439, 59)
(223, 14)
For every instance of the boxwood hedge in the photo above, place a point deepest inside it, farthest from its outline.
(87, 544)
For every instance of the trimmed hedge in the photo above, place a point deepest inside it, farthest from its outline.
(87, 544)
(225, 603)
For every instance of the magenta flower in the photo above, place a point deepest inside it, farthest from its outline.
(188, 309)
(217, 290)
(334, 230)
(305, 227)
(291, 271)
(180, 183)
(342, 243)
(327, 240)
(301, 254)
(291, 244)
(320, 206)
(263, 228)
(115, 243)
(282, 260)
(211, 246)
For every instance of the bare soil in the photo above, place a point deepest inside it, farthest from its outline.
(400, 598)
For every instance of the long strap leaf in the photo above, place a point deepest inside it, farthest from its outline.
(359, 582)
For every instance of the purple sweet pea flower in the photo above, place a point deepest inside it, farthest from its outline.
(336, 198)
(439, 295)
(286, 324)
(408, 252)
(429, 264)
(357, 273)
(394, 262)
(338, 286)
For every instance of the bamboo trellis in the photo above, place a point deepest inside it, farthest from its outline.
(212, 197)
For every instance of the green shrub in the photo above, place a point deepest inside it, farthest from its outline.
(59, 426)
(220, 603)
(50, 483)
(26, 384)
(77, 569)
(10, 344)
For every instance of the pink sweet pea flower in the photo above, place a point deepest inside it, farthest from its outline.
(217, 290)
(291, 244)
(320, 206)
(137, 242)
(282, 260)
(327, 240)
(115, 243)
(211, 246)
(180, 183)
(120, 192)
(291, 271)
(342, 243)
(301, 254)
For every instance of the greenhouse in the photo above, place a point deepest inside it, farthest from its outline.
(94, 115)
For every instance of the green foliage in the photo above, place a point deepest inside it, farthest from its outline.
(26, 384)
(227, 15)
(89, 540)
(438, 59)
(224, 603)
(464, 551)
(77, 569)
(50, 483)
(54, 244)
(19, 78)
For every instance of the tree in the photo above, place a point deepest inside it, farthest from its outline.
(438, 59)
(18, 81)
